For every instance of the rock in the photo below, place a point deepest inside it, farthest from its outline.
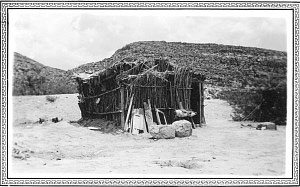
(183, 128)
(162, 131)
(270, 125)
(265, 125)
(56, 120)
(261, 125)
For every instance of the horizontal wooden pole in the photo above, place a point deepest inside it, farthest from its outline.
(105, 113)
(166, 108)
(91, 97)
(162, 87)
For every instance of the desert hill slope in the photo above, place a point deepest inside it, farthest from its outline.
(33, 78)
(223, 65)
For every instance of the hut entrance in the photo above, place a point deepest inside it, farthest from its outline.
(195, 102)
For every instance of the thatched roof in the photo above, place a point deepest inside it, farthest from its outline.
(123, 70)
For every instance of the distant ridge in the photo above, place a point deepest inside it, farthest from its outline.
(223, 65)
(33, 78)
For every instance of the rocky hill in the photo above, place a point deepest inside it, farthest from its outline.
(33, 78)
(223, 65)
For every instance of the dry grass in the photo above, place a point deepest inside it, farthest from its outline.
(51, 99)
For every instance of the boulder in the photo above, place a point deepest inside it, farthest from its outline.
(270, 125)
(162, 131)
(266, 125)
(183, 128)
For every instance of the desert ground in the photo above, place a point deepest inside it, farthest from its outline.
(220, 148)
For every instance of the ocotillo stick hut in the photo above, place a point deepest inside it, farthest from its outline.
(107, 93)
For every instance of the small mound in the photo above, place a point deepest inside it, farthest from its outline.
(102, 125)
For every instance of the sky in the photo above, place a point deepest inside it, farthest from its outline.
(66, 39)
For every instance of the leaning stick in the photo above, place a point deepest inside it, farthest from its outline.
(193, 124)
(131, 123)
(128, 113)
(157, 116)
(163, 116)
(149, 103)
(180, 105)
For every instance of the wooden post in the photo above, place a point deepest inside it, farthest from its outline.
(122, 106)
(171, 95)
(180, 105)
(202, 118)
(200, 102)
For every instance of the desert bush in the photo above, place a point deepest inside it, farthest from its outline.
(51, 99)
(274, 107)
(244, 104)
(259, 105)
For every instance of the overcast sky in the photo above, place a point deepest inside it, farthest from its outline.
(66, 39)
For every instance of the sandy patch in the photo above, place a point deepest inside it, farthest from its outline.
(221, 147)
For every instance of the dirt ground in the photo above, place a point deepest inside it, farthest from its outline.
(66, 149)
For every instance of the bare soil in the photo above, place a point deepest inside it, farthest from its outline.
(222, 147)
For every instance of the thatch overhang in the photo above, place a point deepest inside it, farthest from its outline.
(124, 72)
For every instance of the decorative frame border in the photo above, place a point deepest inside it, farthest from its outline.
(278, 5)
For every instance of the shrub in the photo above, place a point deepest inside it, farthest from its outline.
(260, 105)
(51, 99)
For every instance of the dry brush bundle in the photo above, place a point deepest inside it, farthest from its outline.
(182, 86)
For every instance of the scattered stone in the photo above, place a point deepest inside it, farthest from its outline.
(187, 164)
(266, 125)
(41, 120)
(183, 128)
(21, 152)
(56, 120)
(162, 131)
(261, 125)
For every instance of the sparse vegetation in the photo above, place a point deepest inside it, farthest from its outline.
(259, 105)
(51, 99)
(223, 65)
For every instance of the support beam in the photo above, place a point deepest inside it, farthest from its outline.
(122, 107)
(200, 102)
(201, 109)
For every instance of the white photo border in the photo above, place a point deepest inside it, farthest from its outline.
(210, 5)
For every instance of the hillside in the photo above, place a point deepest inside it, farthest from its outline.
(33, 78)
(223, 65)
